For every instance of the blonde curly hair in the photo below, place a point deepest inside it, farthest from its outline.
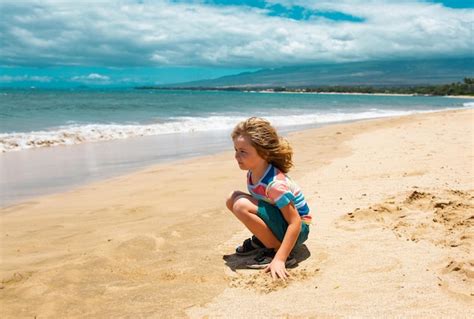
(275, 149)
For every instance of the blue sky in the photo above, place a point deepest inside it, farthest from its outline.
(61, 43)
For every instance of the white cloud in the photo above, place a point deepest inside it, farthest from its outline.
(91, 78)
(158, 33)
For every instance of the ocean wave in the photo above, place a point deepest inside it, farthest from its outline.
(77, 134)
(468, 104)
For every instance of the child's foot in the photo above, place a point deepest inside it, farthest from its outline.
(265, 257)
(249, 246)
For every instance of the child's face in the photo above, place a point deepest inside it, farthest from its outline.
(246, 155)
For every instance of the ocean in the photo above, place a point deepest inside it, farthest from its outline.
(53, 140)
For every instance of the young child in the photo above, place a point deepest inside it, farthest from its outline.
(275, 211)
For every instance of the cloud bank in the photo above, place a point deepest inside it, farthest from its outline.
(163, 33)
(23, 78)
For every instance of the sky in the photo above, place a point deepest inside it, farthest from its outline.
(64, 43)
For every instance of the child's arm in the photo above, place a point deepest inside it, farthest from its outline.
(277, 266)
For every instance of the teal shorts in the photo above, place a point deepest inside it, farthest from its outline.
(274, 219)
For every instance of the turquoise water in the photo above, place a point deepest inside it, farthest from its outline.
(118, 131)
(36, 118)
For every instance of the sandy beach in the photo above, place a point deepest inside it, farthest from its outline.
(392, 201)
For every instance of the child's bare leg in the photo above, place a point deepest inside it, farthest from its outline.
(233, 197)
(245, 208)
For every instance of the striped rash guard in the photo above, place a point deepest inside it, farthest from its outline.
(279, 189)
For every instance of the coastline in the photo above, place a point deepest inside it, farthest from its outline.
(460, 96)
(40, 171)
(152, 241)
(289, 109)
(369, 94)
(342, 93)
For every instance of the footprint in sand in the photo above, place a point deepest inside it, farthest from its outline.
(414, 173)
(139, 247)
(15, 278)
(138, 210)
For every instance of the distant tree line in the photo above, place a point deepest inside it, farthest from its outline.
(459, 88)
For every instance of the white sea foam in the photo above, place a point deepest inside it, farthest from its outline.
(76, 134)
(468, 104)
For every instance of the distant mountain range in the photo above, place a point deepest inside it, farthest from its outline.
(374, 73)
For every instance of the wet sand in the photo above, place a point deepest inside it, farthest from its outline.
(392, 200)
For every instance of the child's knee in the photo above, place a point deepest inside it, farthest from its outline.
(230, 200)
(240, 205)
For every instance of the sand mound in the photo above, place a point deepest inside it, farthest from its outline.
(241, 277)
(265, 284)
(444, 218)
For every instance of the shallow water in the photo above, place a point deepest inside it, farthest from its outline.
(177, 125)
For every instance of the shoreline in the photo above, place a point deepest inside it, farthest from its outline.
(340, 93)
(140, 169)
(460, 96)
(68, 152)
(369, 94)
(153, 241)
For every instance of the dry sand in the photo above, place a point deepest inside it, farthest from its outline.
(392, 200)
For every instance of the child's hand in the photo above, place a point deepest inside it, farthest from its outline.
(277, 269)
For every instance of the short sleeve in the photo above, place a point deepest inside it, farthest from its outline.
(279, 193)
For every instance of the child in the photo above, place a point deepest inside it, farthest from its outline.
(275, 211)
